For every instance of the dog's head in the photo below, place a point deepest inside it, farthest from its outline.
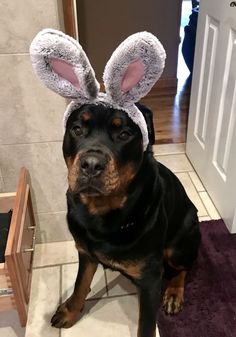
(106, 134)
(103, 150)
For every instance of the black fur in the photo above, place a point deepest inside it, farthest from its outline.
(157, 215)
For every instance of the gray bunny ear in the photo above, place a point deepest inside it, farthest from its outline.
(63, 66)
(133, 68)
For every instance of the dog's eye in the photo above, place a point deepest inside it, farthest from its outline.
(124, 135)
(77, 130)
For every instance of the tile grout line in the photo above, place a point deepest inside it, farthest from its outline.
(3, 184)
(204, 204)
(30, 143)
(175, 172)
(199, 195)
(212, 203)
(207, 214)
(55, 265)
(109, 297)
(199, 180)
(106, 282)
(14, 54)
(89, 299)
(56, 212)
(168, 154)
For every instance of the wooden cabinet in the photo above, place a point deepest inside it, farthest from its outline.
(16, 271)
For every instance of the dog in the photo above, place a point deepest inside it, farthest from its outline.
(127, 212)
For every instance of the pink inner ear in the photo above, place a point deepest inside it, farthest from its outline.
(65, 70)
(132, 76)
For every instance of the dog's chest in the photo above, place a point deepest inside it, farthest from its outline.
(132, 268)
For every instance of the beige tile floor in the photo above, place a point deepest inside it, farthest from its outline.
(111, 308)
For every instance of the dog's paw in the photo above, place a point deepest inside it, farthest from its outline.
(173, 300)
(63, 318)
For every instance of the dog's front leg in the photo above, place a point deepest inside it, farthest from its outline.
(149, 302)
(69, 312)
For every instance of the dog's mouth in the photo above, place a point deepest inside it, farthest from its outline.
(90, 187)
(91, 191)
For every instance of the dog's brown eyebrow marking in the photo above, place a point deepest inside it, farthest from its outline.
(85, 116)
(116, 121)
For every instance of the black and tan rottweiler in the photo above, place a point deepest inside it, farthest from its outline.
(125, 211)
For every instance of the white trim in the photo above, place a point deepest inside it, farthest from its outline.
(233, 227)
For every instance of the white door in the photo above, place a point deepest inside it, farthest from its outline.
(211, 139)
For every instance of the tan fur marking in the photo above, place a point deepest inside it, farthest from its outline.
(80, 249)
(117, 121)
(174, 294)
(168, 253)
(81, 291)
(126, 174)
(111, 177)
(85, 116)
(118, 179)
(115, 181)
(102, 204)
(130, 268)
(69, 162)
(73, 171)
(135, 270)
(178, 281)
(68, 318)
(69, 312)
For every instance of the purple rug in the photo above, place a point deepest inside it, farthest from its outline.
(210, 293)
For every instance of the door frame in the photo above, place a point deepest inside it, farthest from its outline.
(69, 9)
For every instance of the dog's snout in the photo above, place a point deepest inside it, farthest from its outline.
(92, 165)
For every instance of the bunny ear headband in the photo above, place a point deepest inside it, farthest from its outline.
(132, 70)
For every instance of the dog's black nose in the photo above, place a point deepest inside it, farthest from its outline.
(92, 165)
